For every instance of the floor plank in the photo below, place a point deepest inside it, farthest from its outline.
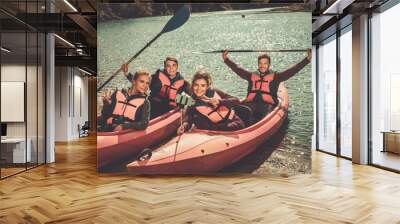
(71, 191)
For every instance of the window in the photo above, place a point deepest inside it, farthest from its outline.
(385, 87)
(346, 92)
(327, 95)
(22, 65)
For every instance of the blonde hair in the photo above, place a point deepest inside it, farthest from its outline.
(140, 73)
(136, 76)
(202, 75)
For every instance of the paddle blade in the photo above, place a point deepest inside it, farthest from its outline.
(180, 17)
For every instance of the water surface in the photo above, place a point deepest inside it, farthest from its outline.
(289, 151)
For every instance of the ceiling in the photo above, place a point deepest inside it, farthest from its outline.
(72, 20)
(76, 20)
(331, 15)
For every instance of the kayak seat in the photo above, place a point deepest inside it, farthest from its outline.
(245, 113)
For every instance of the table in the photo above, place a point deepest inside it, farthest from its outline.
(13, 150)
(391, 141)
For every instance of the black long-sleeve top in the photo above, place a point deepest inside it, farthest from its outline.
(201, 122)
(279, 76)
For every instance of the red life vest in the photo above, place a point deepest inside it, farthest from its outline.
(215, 115)
(169, 89)
(261, 85)
(125, 106)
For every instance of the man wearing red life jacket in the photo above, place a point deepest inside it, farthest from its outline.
(263, 84)
(165, 85)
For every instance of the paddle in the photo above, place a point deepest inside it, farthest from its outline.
(179, 138)
(180, 18)
(248, 51)
(185, 101)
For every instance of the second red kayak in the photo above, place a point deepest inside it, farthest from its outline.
(115, 146)
(203, 151)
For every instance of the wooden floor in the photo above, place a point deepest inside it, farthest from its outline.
(11, 170)
(71, 191)
(387, 159)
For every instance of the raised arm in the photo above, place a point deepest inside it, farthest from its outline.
(285, 75)
(243, 73)
(127, 74)
(227, 100)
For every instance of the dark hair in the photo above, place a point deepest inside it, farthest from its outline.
(264, 56)
(140, 73)
(170, 59)
(202, 75)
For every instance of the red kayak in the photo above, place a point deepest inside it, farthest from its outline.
(203, 151)
(115, 146)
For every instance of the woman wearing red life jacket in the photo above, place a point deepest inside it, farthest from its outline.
(127, 109)
(213, 109)
(165, 85)
(263, 84)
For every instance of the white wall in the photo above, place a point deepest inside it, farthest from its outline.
(33, 127)
(71, 102)
(81, 102)
(14, 73)
(12, 101)
(61, 103)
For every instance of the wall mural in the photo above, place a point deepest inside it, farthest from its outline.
(204, 89)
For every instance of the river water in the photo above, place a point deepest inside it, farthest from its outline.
(289, 152)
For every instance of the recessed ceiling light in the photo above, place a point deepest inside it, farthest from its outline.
(338, 6)
(64, 40)
(5, 50)
(70, 5)
(84, 71)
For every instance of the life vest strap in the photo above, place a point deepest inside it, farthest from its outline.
(259, 91)
(261, 80)
(214, 110)
(129, 104)
(228, 116)
(168, 89)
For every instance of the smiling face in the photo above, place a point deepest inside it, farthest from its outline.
(171, 67)
(199, 87)
(141, 84)
(263, 65)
